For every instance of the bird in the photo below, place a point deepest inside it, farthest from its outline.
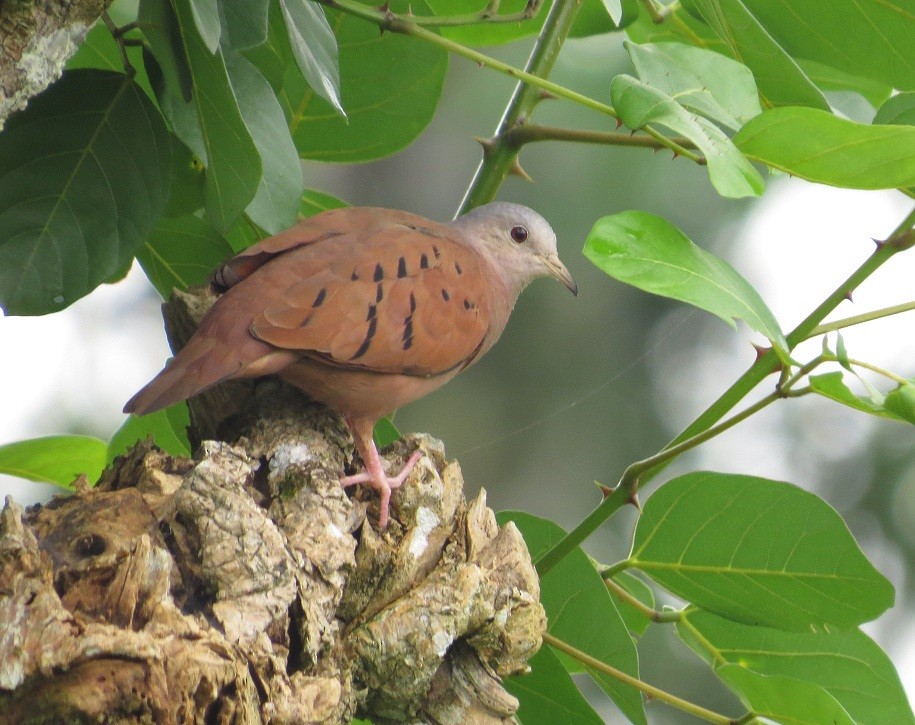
(365, 310)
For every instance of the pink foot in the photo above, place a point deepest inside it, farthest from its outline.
(384, 484)
(374, 474)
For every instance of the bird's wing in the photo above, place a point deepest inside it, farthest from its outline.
(326, 225)
(394, 296)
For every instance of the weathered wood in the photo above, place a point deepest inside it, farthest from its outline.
(247, 586)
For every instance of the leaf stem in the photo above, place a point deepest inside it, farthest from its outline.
(653, 614)
(118, 35)
(520, 135)
(858, 319)
(555, 30)
(650, 690)
(487, 16)
(656, 15)
(869, 366)
(633, 473)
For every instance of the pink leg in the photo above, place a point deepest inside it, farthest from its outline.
(374, 474)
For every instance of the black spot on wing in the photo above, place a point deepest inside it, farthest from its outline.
(401, 267)
(379, 273)
(379, 294)
(319, 300)
(423, 262)
(373, 311)
(408, 333)
(412, 304)
(369, 335)
(457, 268)
(436, 252)
(468, 305)
(445, 295)
(354, 276)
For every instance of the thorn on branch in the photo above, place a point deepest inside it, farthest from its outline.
(761, 351)
(516, 170)
(848, 296)
(605, 491)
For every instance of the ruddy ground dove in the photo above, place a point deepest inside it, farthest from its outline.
(365, 310)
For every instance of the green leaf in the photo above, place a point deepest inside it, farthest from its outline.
(314, 48)
(385, 432)
(99, 50)
(640, 105)
(701, 80)
(84, 176)
(784, 699)
(848, 665)
(757, 551)
(870, 38)
(233, 163)
(168, 428)
(188, 192)
(818, 146)
(277, 199)
(592, 18)
(901, 402)
(244, 24)
(581, 612)
(832, 79)
(652, 254)
(636, 621)
(832, 386)
(159, 24)
(390, 85)
(778, 76)
(206, 19)
(54, 459)
(314, 202)
(678, 27)
(547, 694)
(182, 252)
(898, 110)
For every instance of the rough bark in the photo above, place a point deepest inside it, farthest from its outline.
(37, 37)
(247, 586)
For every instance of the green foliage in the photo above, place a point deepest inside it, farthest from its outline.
(167, 427)
(757, 551)
(193, 151)
(55, 459)
(548, 695)
(79, 192)
(641, 105)
(783, 699)
(847, 664)
(704, 82)
(819, 146)
(650, 253)
(575, 598)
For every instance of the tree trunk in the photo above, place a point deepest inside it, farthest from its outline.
(245, 586)
(37, 37)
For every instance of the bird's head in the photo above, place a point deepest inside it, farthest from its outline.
(520, 241)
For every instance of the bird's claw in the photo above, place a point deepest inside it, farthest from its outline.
(384, 484)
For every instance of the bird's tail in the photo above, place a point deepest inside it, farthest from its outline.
(201, 364)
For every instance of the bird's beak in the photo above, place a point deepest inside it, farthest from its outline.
(559, 271)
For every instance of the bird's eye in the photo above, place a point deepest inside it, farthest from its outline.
(519, 234)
